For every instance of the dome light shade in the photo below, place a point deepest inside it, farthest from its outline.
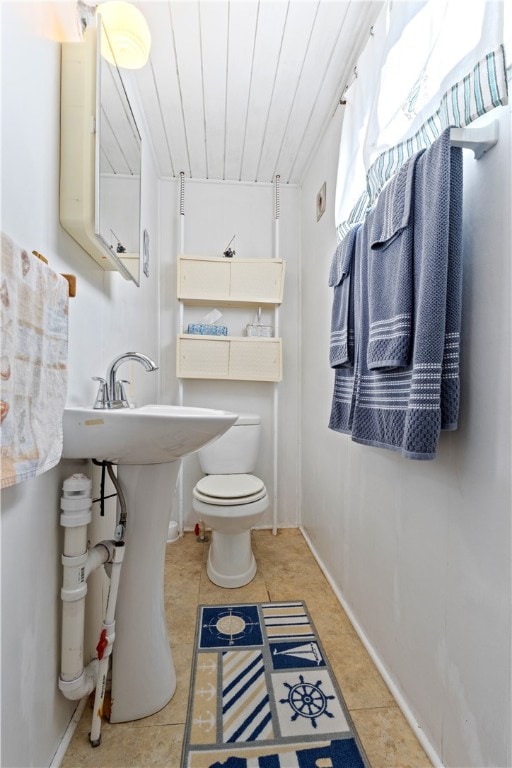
(126, 40)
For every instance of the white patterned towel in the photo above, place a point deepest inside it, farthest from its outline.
(33, 364)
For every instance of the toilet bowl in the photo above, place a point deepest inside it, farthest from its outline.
(230, 501)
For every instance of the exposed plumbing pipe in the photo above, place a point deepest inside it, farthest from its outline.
(108, 633)
(78, 563)
(75, 681)
(99, 555)
(199, 531)
(106, 641)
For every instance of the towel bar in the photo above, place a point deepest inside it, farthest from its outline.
(70, 278)
(480, 140)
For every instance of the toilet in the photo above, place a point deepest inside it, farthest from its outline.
(231, 501)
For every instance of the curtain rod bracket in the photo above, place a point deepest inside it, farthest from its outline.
(480, 140)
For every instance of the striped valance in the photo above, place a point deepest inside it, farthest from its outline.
(481, 90)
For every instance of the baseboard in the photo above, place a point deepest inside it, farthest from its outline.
(68, 734)
(397, 695)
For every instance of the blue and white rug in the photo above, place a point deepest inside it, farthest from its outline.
(263, 694)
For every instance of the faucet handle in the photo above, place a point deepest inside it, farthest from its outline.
(121, 393)
(102, 398)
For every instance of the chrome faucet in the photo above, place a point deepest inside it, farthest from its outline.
(111, 392)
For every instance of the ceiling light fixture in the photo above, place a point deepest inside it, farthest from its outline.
(127, 39)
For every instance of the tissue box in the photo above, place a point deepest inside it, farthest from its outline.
(208, 330)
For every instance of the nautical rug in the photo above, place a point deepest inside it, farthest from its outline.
(263, 694)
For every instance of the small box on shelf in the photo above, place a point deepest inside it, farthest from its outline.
(205, 329)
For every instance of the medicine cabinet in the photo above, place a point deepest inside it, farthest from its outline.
(100, 175)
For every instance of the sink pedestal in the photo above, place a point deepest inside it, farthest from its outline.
(143, 676)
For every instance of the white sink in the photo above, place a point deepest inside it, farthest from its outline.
(147, 444)
(151, 434)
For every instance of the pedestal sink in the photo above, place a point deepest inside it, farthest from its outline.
(147, 444)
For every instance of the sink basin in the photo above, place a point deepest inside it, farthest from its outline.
(151, 434)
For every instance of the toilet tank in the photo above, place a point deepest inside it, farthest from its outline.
(234, 452)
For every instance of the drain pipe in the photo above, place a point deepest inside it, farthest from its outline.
(78, 562)
(106, 641)
(108, 633)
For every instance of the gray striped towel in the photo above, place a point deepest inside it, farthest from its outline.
(405, 408)
(342, 320)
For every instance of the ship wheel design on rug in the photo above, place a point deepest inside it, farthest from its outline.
(307, 700)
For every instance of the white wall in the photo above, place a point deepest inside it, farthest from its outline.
(108, 316)
(214, 212)
(421, 551)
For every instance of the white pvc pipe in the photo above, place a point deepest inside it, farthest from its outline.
(98, 555)
(108, 633)
(72, 657)
(76, 514)
(76, 681)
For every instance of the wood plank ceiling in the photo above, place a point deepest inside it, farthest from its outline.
(243, 90)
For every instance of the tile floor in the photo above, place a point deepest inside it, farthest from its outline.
(286, 571)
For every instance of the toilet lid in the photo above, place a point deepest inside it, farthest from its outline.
(229, 489)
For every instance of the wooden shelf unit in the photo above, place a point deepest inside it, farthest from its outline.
(230, 282)
(227, 282)
(237, 358)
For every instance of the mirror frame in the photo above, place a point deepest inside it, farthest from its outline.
(78, 166)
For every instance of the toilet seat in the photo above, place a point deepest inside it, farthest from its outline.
(229, 490)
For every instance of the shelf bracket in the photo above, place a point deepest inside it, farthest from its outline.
(480, 140)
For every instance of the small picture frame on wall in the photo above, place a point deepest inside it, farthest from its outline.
(145, 253)
(320, 202)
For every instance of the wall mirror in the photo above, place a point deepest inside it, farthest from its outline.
(100, 184)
